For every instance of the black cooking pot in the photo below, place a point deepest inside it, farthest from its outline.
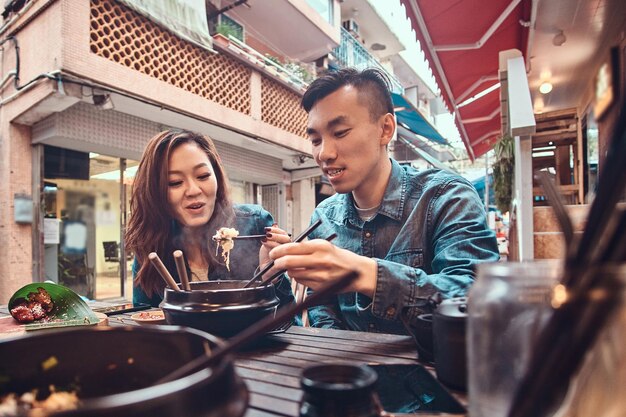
(223, 308)
(449, 345)
(114, 371)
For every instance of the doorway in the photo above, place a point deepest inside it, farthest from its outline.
(85, 199)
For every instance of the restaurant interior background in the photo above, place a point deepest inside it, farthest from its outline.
(80, 98)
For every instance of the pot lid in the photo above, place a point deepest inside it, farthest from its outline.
(453, 308)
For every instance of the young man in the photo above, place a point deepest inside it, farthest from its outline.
(409, 234)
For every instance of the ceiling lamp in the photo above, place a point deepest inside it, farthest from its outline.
(545, 87)
(559, 39)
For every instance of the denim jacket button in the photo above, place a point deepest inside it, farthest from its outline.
(368, 234)
(391, 311)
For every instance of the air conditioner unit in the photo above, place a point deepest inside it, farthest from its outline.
(351, 26)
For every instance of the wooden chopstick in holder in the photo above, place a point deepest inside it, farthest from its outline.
(158, 264)
(179, 259)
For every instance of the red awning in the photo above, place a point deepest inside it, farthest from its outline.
(449, 32)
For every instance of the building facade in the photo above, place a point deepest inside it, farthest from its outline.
(87, 83)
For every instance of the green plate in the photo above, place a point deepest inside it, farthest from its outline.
(69, 308)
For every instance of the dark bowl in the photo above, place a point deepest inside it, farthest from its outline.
(223, 308)
(114, 371)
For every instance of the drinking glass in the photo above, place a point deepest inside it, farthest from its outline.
(509, 305)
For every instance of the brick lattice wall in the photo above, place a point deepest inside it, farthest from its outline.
(122, 36)
(129, 39)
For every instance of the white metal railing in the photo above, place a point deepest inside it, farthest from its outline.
(281, 71)
(351, 53)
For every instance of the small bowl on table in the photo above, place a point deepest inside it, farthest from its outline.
(149, 317)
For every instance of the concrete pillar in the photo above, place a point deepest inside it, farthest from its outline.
(303, 192)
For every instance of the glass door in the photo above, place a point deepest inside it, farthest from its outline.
(86, 201)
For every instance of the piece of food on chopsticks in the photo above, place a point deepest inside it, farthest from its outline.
(46, 304)
(35, 306)
(224, 238)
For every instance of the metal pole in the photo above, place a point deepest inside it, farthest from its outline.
(487, 183)
(122, 246)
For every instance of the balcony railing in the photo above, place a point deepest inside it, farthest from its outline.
(351, 53)
(271, 66)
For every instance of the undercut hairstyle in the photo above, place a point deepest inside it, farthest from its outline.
(152, 226)
(372, 85)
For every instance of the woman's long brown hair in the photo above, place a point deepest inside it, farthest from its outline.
(150, 227)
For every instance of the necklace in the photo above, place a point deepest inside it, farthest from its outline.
(366, 209)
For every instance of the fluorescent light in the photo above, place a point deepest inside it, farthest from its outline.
(93, 155)
(544, 153)
(479, 95)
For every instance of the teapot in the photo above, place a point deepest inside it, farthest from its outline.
(439, 335)
(449, 345)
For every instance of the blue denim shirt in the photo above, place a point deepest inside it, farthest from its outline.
(249, 220)
(427, 236)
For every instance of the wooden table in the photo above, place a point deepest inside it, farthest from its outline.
(272, 370)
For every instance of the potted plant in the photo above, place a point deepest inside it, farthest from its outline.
(222, 32)
(269, 67)
(503, 169)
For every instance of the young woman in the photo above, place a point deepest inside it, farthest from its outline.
(179, 200)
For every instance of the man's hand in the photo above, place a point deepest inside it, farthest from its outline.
(317, 262)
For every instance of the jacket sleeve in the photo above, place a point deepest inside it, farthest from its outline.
(459, 240)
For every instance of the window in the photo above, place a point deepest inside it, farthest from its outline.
(324, 8)
(227, 26)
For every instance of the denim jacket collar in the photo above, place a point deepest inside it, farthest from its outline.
(395, 193)
(391, 206)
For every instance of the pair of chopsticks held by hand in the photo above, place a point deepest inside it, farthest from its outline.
(270, 265)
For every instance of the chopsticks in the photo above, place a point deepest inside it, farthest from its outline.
(246, 237)
(270, 264)
(158, 264)
(277, 274)
(179, 259)
(260, 328)
(253, 236)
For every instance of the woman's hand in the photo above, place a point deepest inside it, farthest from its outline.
(317, 263)
(274, 236)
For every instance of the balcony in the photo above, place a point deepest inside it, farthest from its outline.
(351, 53)
(291, 75)
(290, 26)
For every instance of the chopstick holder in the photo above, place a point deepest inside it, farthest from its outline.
(162, 270)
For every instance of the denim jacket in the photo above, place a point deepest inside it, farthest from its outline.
(427, 236)
(249, 220)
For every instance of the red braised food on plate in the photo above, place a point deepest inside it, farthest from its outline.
(35, 307)
(149, 316)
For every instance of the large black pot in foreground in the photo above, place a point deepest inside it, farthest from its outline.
(114, 370)
(223, 308)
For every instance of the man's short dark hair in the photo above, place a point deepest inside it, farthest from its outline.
(372, 85)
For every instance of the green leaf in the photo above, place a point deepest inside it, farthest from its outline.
(69, 308)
